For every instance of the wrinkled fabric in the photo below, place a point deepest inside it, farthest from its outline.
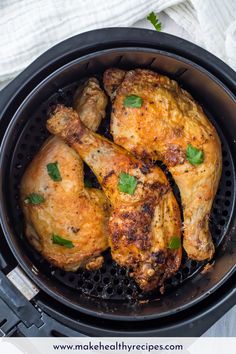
(29, 27)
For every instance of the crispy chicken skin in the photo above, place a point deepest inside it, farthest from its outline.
(167, 122)
(69, 210)
(142, 224)
(90, 101)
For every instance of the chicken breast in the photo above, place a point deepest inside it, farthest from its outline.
(144, 225)
(166, 124)
(65, 221)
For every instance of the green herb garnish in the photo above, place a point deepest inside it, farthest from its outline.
(34, 198)
(58, 240)
(53, 171)
(133, 101)
(127, 183)
(152, 17)
(88, 183)
(194, 156)
(175, 243)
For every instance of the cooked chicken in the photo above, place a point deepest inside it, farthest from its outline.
(65, 221)
(90, 101)
(145, 221)
(168, 125)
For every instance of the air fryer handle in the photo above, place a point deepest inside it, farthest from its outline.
(15, 307)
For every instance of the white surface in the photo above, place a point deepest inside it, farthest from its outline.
(226, 326)
(132, 345)
(29, 27)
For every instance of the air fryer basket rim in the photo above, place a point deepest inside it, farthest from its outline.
(106, 51)
(111, 38)
(25, 102)
(26, 267)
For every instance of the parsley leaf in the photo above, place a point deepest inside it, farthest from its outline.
(133, 101)
(53, 171)
(88, 183)
(58, 240)
(34, 198)
(127, 183)
(174, 243)
(152, 17)
(194, 156)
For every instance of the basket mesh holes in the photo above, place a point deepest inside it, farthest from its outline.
(106, 280)
(89, 286)
(224, 153)
(113, 271)
(111, 281)
(116, 281)
(226, 163)
(119, 291)
(87, 275)
(109, 290)
(80, 283)
(96, 278)
(225, 213)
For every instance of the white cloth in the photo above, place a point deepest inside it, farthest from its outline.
(30, 27)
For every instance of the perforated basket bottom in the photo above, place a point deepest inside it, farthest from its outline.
(111, 281)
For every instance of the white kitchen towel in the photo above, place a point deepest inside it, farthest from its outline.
(29, 27)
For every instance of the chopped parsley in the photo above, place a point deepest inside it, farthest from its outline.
(133, 101)
(152, 17)
(53, 171)
(194, 155)
(127, 183)
(174, 243)
(34, 199)
(58, 240)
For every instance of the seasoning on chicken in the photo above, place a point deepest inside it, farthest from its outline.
(65, 221)
(170, 126)
(144, 225)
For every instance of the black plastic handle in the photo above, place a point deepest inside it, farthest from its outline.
(15, 307)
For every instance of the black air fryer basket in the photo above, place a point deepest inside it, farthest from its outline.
(107, 302)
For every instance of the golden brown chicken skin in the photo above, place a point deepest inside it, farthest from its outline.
(90, 101)
(170, 126)
(144, 220)
(69, 210)
(69, 225)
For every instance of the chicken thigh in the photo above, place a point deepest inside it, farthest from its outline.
(144, 225)
(65, 221)
(155, 119)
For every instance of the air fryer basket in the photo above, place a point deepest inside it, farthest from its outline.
(109, 292)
